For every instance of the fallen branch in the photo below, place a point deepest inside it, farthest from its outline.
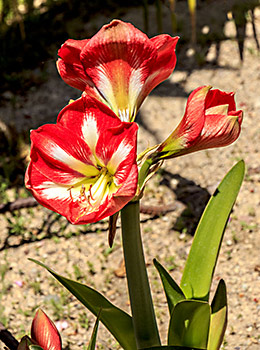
(18, 204)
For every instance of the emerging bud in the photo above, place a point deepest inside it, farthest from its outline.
(44, 335)
(44, 332)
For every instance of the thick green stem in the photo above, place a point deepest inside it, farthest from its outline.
(145, 327)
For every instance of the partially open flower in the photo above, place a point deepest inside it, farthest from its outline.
(119, 65)
(210, 120)
(84, 167)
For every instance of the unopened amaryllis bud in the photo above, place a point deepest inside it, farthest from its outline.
(210, 120)
(44, 333)
(119, 65)
(84, 166)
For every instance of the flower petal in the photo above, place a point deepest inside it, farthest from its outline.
(70, 66)
(71, 49)
(51, 195)
(218, 131)
(163, 65)
(44, 332)
(119, 59)
(217, 97)
(190, 126)
(59, 154)
(75, 76)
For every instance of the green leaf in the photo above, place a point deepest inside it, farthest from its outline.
(189, 324)
(201, 262)
(92, 343)
(118, 322)
(24, 343)
(218, 323)
(35, 347)
(172, 291)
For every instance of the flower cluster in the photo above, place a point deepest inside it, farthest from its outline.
(85, 166)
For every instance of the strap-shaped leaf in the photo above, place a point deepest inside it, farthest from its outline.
(92, 343)
(118, 322)
(201, 262)
(218, 322)
(172, 291)
(189, 324)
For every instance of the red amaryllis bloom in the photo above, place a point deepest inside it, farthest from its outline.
(210, 120)
(119, 65)
(44, 332)
(84, 167)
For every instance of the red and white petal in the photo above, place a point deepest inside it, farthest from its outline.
(62, 150)
(91, 120)
(219, 131)
(120, 153)
(51, 195)
(118, 59)
(163, 65)
(217, 97)
(44, 332)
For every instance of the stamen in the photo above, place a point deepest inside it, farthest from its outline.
(90, 194)
(83, 193)
(69, 189)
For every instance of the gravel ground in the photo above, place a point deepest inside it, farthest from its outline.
(82, 252)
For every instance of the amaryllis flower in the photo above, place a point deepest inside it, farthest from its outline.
(119, 65)
(84, 167)
(210, 120)
(43, 333)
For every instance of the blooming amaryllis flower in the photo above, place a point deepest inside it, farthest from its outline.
(84, 167)
(210, 120)
(119, 65)
(43, 333)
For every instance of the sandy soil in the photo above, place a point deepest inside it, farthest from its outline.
(83, 253)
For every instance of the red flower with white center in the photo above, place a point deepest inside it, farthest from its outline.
(119, 65)
(210, 120)
(84, 167)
